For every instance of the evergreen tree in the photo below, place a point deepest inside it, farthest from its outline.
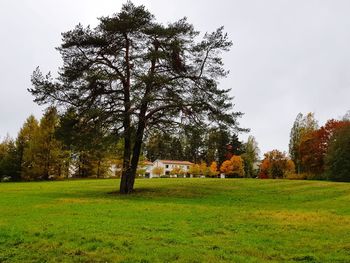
(92, 148)
(194, 143)
(338, 156)
(139, 74)
(9, 165)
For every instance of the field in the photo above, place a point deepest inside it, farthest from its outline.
(175, 220)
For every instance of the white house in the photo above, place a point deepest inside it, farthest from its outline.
(148, 167)
(168, 165)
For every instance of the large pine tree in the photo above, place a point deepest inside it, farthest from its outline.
(136, 74)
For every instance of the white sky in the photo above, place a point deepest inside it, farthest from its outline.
(289, 56)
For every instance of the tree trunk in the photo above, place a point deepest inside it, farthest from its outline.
(136, 155)
(98, 168)
(124, 188)
(129, 174)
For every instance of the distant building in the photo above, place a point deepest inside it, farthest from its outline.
(148, 167)
(145, 168)
(169, 165)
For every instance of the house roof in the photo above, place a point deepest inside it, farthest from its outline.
(175, 162)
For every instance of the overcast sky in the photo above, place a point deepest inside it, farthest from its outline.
(289, 56)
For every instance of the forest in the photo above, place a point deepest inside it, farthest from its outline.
(60, 146)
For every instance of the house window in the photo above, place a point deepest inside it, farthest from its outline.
(167, 166)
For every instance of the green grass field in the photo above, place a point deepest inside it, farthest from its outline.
(175, 220)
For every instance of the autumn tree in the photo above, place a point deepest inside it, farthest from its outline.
(303, 126)
(213, 169)
(204, 170)
(24, 143)
(195, 170)
(158, 171)
(314, 147)
(43, 157)
(177, 171)
(233, 167)
(227, 167)
(237, 166)
(275, 165)
(135, 74)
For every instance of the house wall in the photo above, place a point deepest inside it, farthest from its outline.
(167, 167)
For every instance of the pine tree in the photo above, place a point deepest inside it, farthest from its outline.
(135, 74)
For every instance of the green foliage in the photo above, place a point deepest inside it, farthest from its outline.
(250, 156)
(134, 74)
(164, 146)
(194, 144)
(338, 156)
(94, 147)
(9, 164)
(303, 125)
(175, 220)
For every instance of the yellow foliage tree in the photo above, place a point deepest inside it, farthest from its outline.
(177, 171)
(158, 170)
(194, 170)
(203, 169)
(213, 169)
(237, 165)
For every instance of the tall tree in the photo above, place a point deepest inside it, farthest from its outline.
(276, 164)
(9, 163)
(24, 139)
(303, 126)
(43, 157)
(135, 72)
(194, 143)
(338, 155)
(314, 147)
(89, 142)
(250, 156)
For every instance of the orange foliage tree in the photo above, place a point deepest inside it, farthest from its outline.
(233, 167)
(213, 169)
(275, 165)
(226, 167)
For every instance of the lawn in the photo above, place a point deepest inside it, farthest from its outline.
(175, 220)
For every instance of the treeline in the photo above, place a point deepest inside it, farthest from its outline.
(321, 152)
(314, 152)
(64, 145)
(57, 146)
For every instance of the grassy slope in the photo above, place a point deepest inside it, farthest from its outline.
(175, 220)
